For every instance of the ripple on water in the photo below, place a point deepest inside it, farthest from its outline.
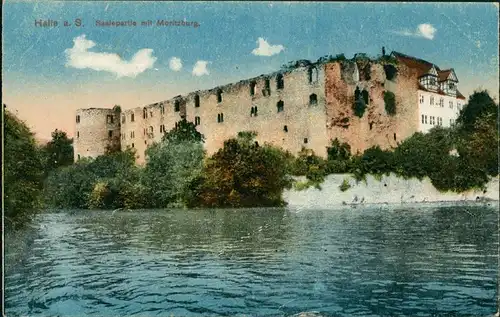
(261, 262)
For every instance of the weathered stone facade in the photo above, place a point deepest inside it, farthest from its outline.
(376, 126)
(306, 106)
(140, 127)
(96, 129)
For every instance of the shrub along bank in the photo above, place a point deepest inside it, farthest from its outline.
(245, 174)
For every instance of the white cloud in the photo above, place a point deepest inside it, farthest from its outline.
(175, 64)
(200, 68)
(79, 57)
(266, 49)
(424, 30)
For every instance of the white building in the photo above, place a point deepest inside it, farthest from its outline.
(439, 100)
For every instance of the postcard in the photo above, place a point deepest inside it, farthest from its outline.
(250, 158)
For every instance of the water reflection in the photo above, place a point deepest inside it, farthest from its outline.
(258, 262)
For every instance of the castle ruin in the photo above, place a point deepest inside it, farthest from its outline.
(304, 106)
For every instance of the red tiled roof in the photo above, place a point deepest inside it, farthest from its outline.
(443, 75)
(420, 65)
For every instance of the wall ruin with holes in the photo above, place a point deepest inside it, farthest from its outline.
(305, 123)
(92, 132)
(375, 127)
(312, 126)
(145, 129)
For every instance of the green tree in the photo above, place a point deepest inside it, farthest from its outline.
(59, 151)
(480, 104)
(243, 174)
(478, 133)
(170, 168)
(479, 148)
(184, 131)
(173, 164)
(339, 157)
(23, 172)
(423, 155)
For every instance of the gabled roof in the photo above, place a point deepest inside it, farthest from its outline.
(422, 66)
(448, 74)
(443, 75)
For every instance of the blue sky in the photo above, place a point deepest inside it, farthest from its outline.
(44, 86)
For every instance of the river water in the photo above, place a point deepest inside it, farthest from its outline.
(378, 261)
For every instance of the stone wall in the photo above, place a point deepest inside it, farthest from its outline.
(300, 124)
(375, 127)
(302, 121)
(92, 131)
(145, 129)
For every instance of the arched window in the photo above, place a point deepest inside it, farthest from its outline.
(280, 106)
(312, 74)
(252, 88)
(280, 84)
(144, 113)
(267, 88)
(197, 101)
(132, 117)
(177, 106)
(219, 95)
(313, 99)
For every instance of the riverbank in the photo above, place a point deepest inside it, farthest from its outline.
(386, 190)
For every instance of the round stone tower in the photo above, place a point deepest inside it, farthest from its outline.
(96, 130)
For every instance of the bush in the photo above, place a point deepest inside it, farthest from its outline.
(339, 155)
(92, 183)
(345, 185)
(390, 103)
(313, 167)
(242, 174)
(373, 161)
(331, 59)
